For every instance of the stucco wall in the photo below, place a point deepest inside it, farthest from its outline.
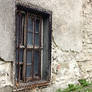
(7, 42)
(71, 42)
(7, 32)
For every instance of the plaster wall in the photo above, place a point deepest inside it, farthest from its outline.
(7, 42)
(71, 41)
(7, 31)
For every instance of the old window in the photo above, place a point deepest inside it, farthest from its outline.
(33, 45)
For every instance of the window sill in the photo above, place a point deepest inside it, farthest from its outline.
(30, 85)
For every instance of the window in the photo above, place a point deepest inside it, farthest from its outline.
(33, 45)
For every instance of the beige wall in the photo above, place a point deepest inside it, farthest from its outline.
(7, 31)
(7, 42)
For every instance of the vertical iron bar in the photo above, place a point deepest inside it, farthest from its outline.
(19, 49)
(39, 70)
(33, 48)
(25, 35)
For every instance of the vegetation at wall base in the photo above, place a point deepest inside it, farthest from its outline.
(83, 86)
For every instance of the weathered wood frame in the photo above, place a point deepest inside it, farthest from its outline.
(43, 12)
(26, 48)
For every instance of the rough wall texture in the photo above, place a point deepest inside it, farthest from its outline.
(72, 39)
(5, 74)
(6, 89)
(86, 54)
(71, 53)
(7, 15)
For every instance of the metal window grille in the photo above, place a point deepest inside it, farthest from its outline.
(28, 46)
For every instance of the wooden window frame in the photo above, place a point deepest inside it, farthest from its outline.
(25, 47)
(49, 44)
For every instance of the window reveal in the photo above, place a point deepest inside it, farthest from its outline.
(28, 46)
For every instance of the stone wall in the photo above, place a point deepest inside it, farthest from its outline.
(71, 41)
(5, 74)
(85, 63)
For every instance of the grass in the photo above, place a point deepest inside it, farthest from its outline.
(84, 86)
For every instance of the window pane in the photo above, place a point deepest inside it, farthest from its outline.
(21, 52)
(37, 25)
(17, 28)
(16, 55)
(21, 72)
(29, 57)
(36, 39)
(29, 39)
(16, 71)
(36, 62)
(22, 23)
(28, 71)
(30, 24)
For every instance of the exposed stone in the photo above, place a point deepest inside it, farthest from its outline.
(5, 74)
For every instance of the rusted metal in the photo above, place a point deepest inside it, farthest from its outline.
(39, 70)
(30, 85)
(18, 49)
(24, 58)
(33, 48)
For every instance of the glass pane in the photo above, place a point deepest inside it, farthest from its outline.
(17, 28)
(29, 39)
(28, 71)
(16, 55)
(36, 62)
(16, 72)
(36, 39)
(30, 24)
(21, 72)
(22, 23)
(29, 57)
(37, 26)
(21, 55)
